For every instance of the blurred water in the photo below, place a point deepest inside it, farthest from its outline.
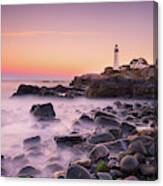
(18, 123)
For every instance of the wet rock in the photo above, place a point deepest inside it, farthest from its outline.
(118, 145)
(3, 172)
(70, 140)
(54, 167)
(148, 170)
(107, 121)
(146, 140)
(2, 157)
(20, 160)
(152, 150)
(138, 105)
(140, 157)
(116, 174)
(43, 112)
(131, 178)
(85, 118)
(105, 114)
(83, 162)
(32, 142)
(117, 132)
(113, 163)
(104, 176)
(137, 146)
(127, 106)
(98, 152)
(129, 164)
(130, 118)
(78, 172)
(145, 120)
(108, 109)
(28, 171)
(128, 129)
(101, 138)
(59, 174)
(27, 90)
(118, 104)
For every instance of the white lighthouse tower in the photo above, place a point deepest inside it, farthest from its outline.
(116, 58)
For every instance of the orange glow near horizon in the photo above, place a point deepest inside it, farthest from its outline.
(73, 49)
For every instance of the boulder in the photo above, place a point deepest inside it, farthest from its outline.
(27, 90)
(116, 132)
(85, 118)
(118, 145)
(116, 174)
(128, 129)
(101, 138)
(105, 114)
(129, 164)
(77, 172)
(137, 146)
(148, 170)
(82, 162)
(28, 171)
(98, 152)
(43, 112)
(104, 176)
(131, 178)
(54, 167)
(31, 142)
(69, 140)
(107, 121)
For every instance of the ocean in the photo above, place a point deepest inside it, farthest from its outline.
(18, 124)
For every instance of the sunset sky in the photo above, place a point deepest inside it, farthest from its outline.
(63, 40)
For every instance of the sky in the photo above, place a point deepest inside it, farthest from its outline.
(64, 40)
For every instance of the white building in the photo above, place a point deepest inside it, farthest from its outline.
(116, 58)
(138, 63)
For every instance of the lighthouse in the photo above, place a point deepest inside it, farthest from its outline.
(116, 58)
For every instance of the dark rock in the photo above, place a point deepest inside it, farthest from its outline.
(70, 140)
(85, 118)
(128, 129)
(83, 162)
(104, 176)
(101, 114)
(101, 138)
(54, 167)
(43, 112)
(108, 109)
(138, 105)
(116, 174)
(107, 121)
(130, 118)
(77, 172)
(117, 132)
(118, 145)
(32, 142)
(27, 90)
(129, 164)
(3, 172)
(28, 171)
(113, 163)
(148, 170)
(131, 178)
(127, 106)
(118, 104)
(137, 146)
(140, 157)
(146, 140)
(98, 152)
